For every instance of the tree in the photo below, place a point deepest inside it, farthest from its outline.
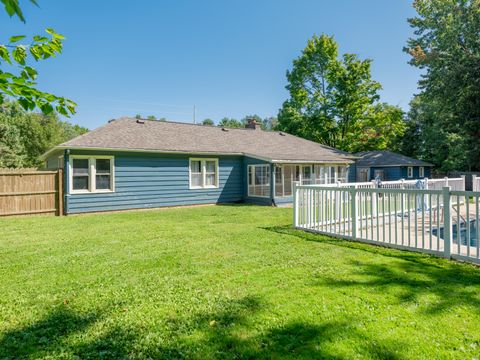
(208, 122)
(21, 85)
(270, 123)
(11, 149)
(151, 117)
(24, 136)
(329, 95)
(230, 123)
(138, 116)
(382, 129)
(446, 46)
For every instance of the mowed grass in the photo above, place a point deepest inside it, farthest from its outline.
(223, 282)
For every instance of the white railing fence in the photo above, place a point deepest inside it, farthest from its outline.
(443, 222)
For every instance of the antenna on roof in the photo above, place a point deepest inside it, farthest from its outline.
(194, 120)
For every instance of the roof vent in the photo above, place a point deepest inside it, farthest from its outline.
(281, 133)
(140, 121)
(224, 129)
(111, 120)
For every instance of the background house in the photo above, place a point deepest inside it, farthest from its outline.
(132, 163)
(389, 166)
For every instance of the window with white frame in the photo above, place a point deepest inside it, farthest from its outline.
(91, 174)
(410, 172)
(421, 172)
(259, 180)
(203, 173)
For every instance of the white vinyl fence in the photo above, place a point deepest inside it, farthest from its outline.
(443, 221)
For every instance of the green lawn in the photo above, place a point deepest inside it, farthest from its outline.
(223, 282)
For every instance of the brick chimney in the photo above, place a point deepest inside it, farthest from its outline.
(252, 124)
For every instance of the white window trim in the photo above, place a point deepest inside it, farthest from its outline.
(253, 174)
(410, 172)
(204, 173)
(92, 172)
(421, 172)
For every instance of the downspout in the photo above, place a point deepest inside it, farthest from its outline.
(272, 184)
(66, 180)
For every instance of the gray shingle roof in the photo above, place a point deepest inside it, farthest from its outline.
(387, 158)
(151, 135)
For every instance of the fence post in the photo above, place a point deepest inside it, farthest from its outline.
(474, 183)
(374, 198)
(354, 211)
(447, 223)
(295, 203)
(446, 181)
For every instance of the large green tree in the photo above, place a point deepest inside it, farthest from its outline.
(17, 73)
(24, 136)
(446, 114)
(333, 98)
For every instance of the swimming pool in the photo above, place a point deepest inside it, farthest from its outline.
(463, 233)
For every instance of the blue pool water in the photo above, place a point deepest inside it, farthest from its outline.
(463, 233)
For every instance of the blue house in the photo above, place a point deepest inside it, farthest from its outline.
(134, 163)
(389, 166)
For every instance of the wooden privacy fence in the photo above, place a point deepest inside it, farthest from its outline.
(443, 222)
(31, 192)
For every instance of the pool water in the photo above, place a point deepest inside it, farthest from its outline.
(463, 233)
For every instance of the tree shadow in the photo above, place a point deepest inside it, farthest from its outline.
(228, 331)
(39, 338)
(452, 283)
(224, 336)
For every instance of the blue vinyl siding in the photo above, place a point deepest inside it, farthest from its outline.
(393, 173)
(156, 180)
(352, 173)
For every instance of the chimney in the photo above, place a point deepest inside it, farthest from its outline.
(252, 124)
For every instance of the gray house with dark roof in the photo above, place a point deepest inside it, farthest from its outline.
(389, 166)
(132, 163)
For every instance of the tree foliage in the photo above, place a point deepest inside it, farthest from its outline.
(208, 122)
(24, 136)
(446, 45)
(17, 74)
(230, 123)
(333, 99)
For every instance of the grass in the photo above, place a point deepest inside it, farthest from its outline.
(223, 282)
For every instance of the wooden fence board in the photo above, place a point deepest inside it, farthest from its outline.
(31, 192)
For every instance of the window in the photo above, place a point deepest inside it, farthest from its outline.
(259, 180)
(80, 174)
(410, 171)
(342, 174)
(203, 173)
(421, 172)
(91, 174)
(380, 174)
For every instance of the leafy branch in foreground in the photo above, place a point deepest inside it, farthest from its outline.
(22, 86)
(17, 77)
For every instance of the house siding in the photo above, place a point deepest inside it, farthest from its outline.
(393, 173)
(157, 180)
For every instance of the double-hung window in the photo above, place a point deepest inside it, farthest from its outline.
(410, 172)
(91, 174)
(421, 172)
(259, 180)
(203, 173)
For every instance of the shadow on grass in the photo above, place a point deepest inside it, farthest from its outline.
(228, 331)
(452, 283)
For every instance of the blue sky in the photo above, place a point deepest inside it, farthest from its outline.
(229, 58)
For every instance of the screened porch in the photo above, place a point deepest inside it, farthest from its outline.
(306, 174)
